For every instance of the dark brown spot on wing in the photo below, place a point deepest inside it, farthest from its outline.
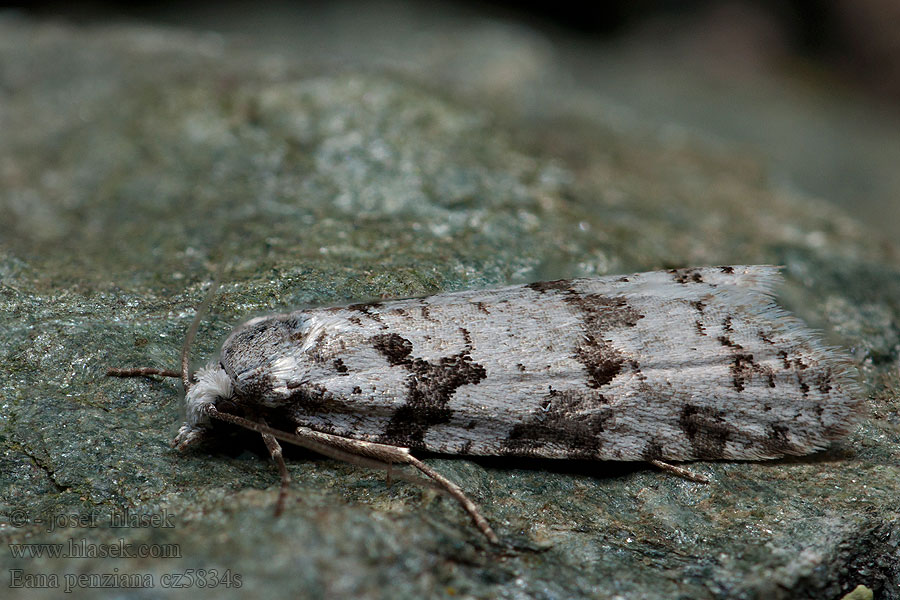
(295, 326)
(686, 275)
(394, 347)
(744, 367)
(367, 308)
(429, 387)
(821, 380)
(824, 381)
(600, 314)
(563, 285)
(567, 418)
(601, 361)
(653, 450)
(741, 370)
(783, 355)
(707, 429)
(311, 399)
(727, 341)
(776, 442)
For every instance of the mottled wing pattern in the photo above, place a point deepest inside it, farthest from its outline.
(674, 365)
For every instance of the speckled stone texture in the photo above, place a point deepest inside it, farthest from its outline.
(136, 162)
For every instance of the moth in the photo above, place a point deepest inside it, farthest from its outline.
(678, 365)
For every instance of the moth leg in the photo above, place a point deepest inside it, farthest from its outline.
(360, 452)
(277, 455)
(390, 454)
(680, 471)
(460, 496)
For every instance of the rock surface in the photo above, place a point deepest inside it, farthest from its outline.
(137, 161)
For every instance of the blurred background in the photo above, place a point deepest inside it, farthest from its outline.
(811, 88)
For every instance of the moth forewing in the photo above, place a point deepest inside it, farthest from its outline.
(661, 366)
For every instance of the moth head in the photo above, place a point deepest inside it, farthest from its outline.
(213, 386)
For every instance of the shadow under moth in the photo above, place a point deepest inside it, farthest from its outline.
(679, 365)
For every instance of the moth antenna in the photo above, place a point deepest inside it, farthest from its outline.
(186, 375)
(141, 372)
